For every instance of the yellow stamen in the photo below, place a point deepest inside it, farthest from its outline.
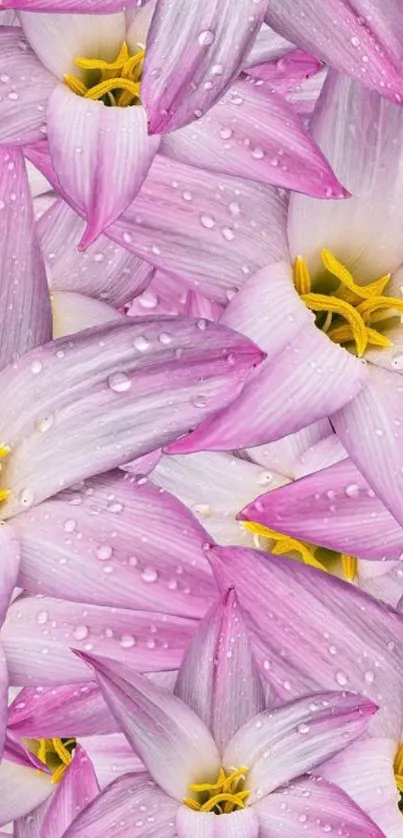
(226, 797)
(285, 544)
(99, 64)
(340, 272)
(113, 84)
(375, 304)
(321, 302)
(4, 451)
(377, 339)
(223, 795)
(132, 68)
(75, 84)
(302, 278)
(349, 565)
(56, 754)
(398, 764)
(193, 804)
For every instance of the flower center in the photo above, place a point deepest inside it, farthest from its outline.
(222, 797)
(55, 754)
(398, 768)
(351, 313)
(320, 557)
(115, 83)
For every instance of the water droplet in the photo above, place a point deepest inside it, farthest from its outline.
(341, 678)
(258, 153)
(141, 343)
(26, 497)
(352, 491)
(36, 367)
(42, 617)
(225, 133)
(119, 382)
(207, 221)
(103, 552)
(127, 641)
(80, 632)
(70, 525)
(165, 338)
(206, 38)
(149, 574)
(303, 728)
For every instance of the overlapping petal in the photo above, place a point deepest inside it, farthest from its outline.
(240, 824)
(14, 778)
(193, 53)
(76, 789)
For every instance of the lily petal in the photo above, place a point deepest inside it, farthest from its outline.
(365, 232)
(73, 410)
(72, 313)
(218, 677)
(348, 37)
(334, 508)
(154, 560)
(295, 389)
(369, 429)
(105, 271)
(77, 788)
(58, 38)
(241, 824)
(335, 620)
(22, 106)
(3, 698)
(24, 297)
(115, 154)
(99, 7)
(50, 627)
(311, 803)
(128, 799)
(285, 454)
(253, 132)
(111, 757)
(22, 789)
(268, 46)
(173, 742)
(61, 711)
(211, 40)
(283, 744)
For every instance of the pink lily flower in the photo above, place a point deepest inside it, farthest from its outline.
(86, 72)
(206, 749)
(192, 45)
(332, 332)
(317, 632)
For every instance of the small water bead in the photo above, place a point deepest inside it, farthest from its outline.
(258, 153)
(217, 70)
(187, 196)
(26, 497)
(45, 424)
(127, 641)
(397, 361)
(200, 401)
(352, 491)
(165, 338)
(228, 234)
(149, 574)
(303, 728)
(206, 38)
(42, 617)
(141, 343)
(207, 221)
(36, 367)
(341, 678)
(225, 133)
(104, 552)
(115, 507)
(80, 632)
(369, 676)
(70, 525)
(119, 382)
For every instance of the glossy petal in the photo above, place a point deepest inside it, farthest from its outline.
(241, 824)
(365, 773)
(50, 627)
(60, 711)
(354, 38)
(211, 40)
(334, 508)
(383, 580)
(300, 386)
(219, 677)
(252, 132)
(336, 621)
(76, 789)
(104, 271)
(314, 805)
(21, 790)
(82, 6)
(268, 46)
(58, 39)
(127, 800)
(365, 232)
(24, 297)
(280, 745)
(215, 486)
(111, 757)
(370, 430)
(169, 737)
(9, 564)
(22, 106)
(73, 410)
(114, 157)
(72, 313)
(154, 560)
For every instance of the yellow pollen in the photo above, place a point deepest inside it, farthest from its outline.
(112, 82)
(398, 768)
(55, 754)
(361, 306)
(349, 565)
(226, 795)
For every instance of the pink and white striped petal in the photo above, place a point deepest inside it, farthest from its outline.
(22, 105)
(75, 791)
(241, 824)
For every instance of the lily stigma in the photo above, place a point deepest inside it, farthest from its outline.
(310, 554)
(55, 754)
(349, 313)
(224, 796)
(115, 83)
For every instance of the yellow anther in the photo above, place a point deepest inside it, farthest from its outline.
(55, 754)
(193, 804)
(4, 451)
(109, 85)
(235, 799)
(210, 786)
(302, 279)
(75, 84)
(61, 750)
(321, 302)
(99, 64)
(4, 494)
(375, 304)
(285, 544)
(340, 272)
(377, 339)
(133, 67)
(349, 565)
